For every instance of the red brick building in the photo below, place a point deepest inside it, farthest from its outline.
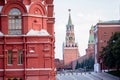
(59, 64)
(70, 48)
(27, 40)
(103, 31)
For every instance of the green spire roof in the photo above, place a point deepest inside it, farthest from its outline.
(69, 20)
(92, 27)
(91, 36)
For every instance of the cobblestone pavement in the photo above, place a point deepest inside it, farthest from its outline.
(85, 76)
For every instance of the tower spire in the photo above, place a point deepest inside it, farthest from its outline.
(70, 48)
(70, 37)
(69, 20)
(91, 36)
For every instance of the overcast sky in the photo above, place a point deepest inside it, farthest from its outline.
(84, 14)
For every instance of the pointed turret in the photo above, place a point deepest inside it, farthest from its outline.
(91, 36)
(91, 43)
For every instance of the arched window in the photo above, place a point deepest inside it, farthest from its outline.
(9, 56)
(20, 57)
(15, 22)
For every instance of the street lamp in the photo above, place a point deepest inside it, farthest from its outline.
(113, 41)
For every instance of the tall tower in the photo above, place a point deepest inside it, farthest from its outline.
(70, 48)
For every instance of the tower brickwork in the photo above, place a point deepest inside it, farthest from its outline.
(70, 48)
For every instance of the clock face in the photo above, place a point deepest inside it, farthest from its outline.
(70, 38)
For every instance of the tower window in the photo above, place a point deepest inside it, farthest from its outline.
(15, 79)
(9, 56)
(20, 78)
(15, 22)
(105, 34)
(9, 79)
(20, 56)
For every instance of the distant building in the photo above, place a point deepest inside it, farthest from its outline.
(27, 40)
(59, 64)
(103, 31)
(70, 48)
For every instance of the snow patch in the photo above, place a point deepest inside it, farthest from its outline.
(44, 32)
(31, 51)
(1, 34)
(27, 7)
(1, 8)
(38, 33)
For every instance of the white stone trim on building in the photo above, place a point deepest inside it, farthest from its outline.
(27, 69)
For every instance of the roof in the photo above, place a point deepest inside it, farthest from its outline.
(69, 20)
(38, 33)
(32, 32)
(91, 39)
(92, 27)
(1, 34)
(91, 36)
(109, 22)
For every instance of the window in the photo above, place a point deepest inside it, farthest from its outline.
(70, 38)
(9, 56)
(105, 34)
(20, 79)
(20, 56)
(112, 33)
(9, 79)
(15, 22)
(15, 79)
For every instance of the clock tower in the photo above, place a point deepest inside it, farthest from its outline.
(70, 48)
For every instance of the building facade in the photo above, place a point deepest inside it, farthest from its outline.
(27, 40)
(59, 64)
(70, 48)
(103, 31)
